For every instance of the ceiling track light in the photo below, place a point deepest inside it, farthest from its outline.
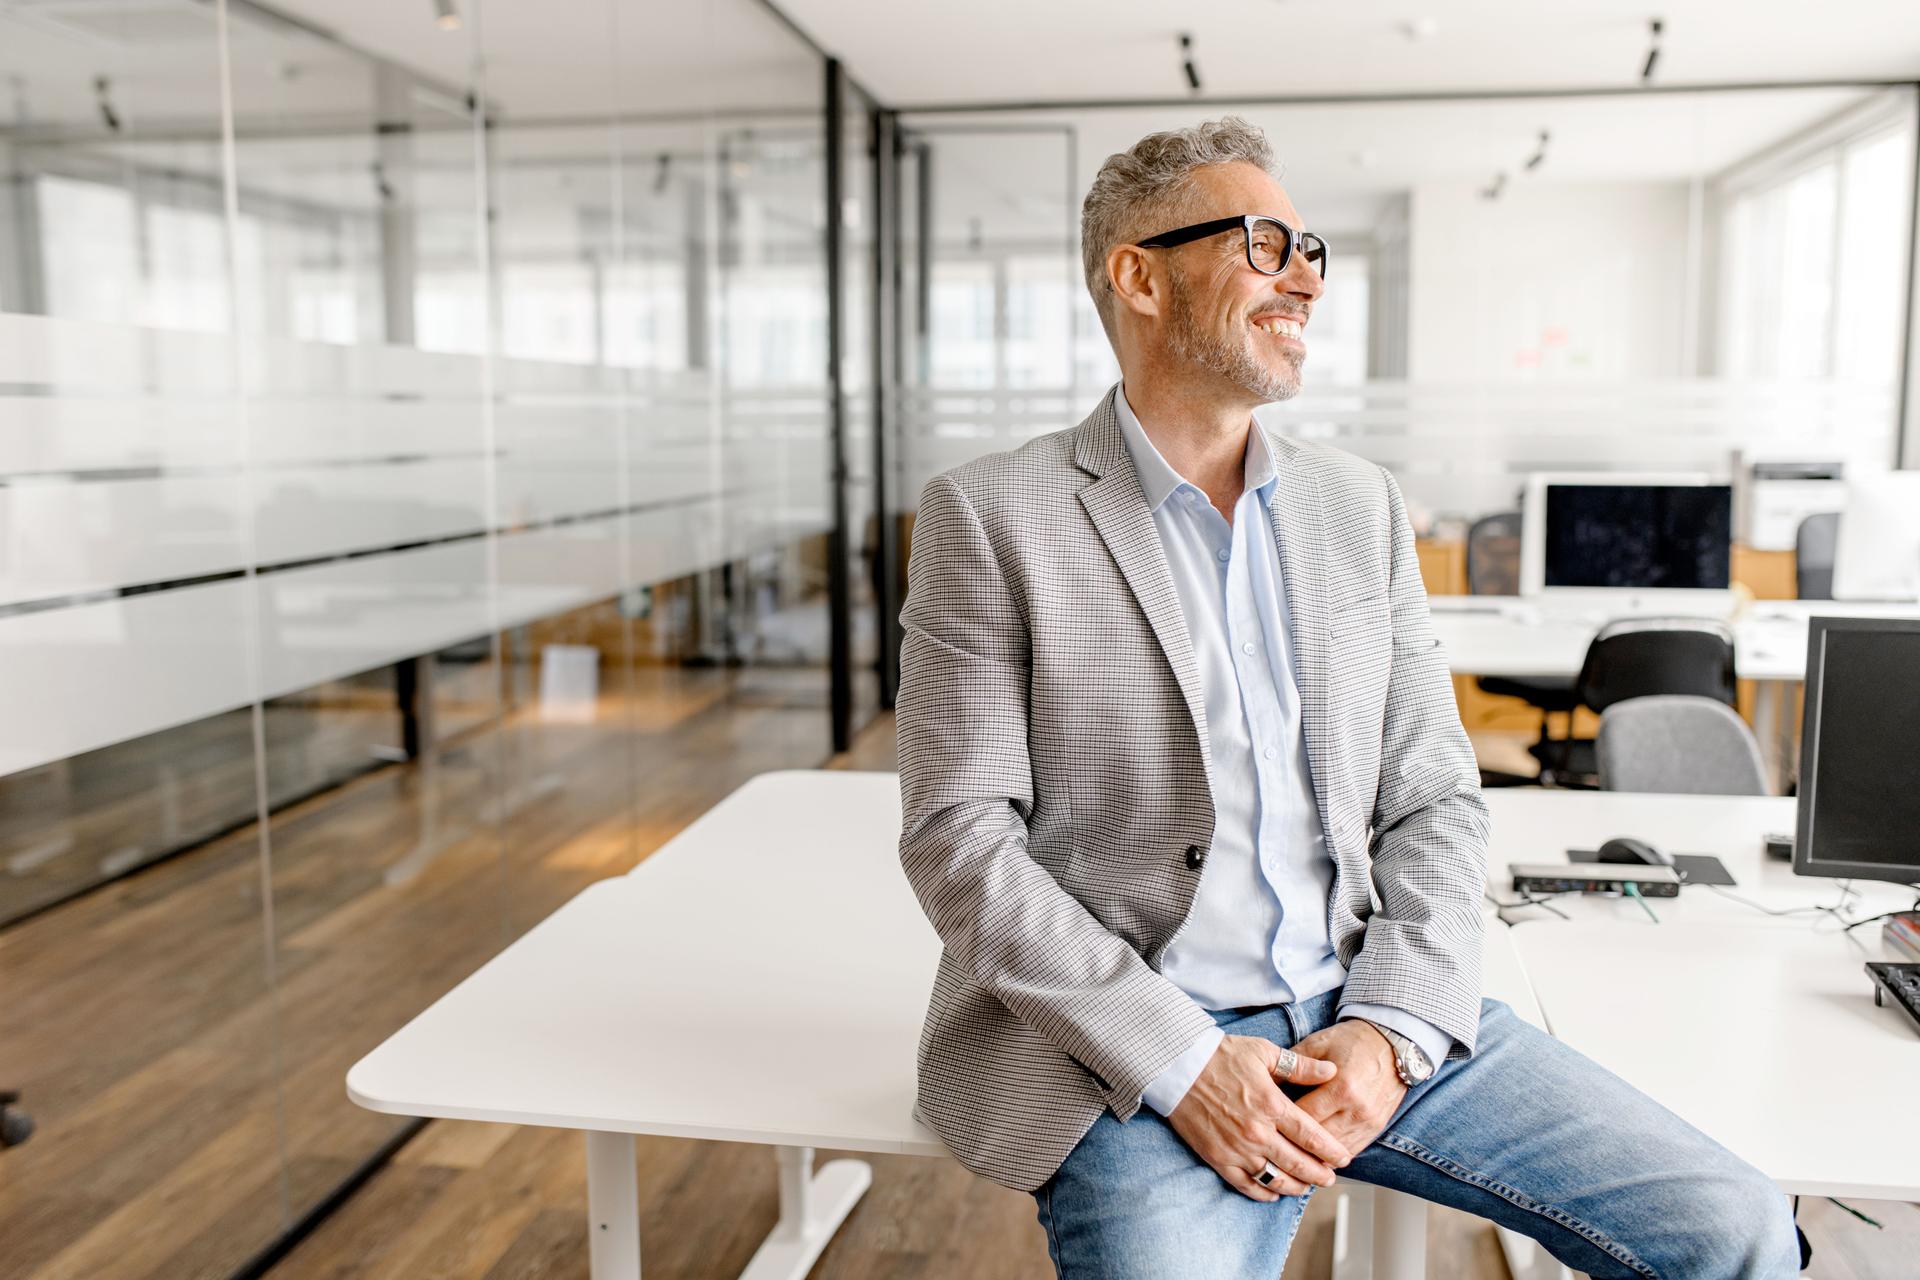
(1654, 28)
(1186, 62)
(101, 95)
(445, 16)
(1539, 152)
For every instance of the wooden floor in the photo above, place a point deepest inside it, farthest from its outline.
(142, 1020)
(184, 1065)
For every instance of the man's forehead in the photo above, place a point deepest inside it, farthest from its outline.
(1228, 189)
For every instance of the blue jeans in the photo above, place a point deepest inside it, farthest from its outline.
(1526, 1133)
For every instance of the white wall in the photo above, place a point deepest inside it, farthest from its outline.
(1550, 281)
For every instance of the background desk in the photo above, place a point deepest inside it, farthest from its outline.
(1541, 637)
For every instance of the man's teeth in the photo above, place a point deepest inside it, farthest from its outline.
(1285, 328)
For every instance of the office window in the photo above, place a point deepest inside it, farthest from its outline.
(1039, 322)
(1814, 262)
(1873, 196)
(961, 341)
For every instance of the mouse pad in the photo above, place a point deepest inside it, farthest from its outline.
(1692, 868)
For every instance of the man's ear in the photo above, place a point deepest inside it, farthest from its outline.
(1135, 285)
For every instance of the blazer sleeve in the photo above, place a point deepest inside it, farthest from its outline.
(966, 791)
(1421, 951)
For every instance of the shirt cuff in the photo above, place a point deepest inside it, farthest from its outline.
(1171, 1085)
(1432, 1040)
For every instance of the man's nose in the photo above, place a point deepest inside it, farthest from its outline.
(1300, 280)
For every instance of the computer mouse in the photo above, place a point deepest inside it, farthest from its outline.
(1633, 852)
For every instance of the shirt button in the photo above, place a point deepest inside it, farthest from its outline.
(1221, 555)
(1193, 855)
(1247, 647)
(1270, 753)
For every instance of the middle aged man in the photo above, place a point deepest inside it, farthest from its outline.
(1186, 796)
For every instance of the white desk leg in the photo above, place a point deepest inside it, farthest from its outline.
(1399, 1236)
(1352, 1231)
(613, 1207)
(1378, 1234)
(813, 1204)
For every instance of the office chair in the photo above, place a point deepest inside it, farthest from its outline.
(1493, 569)
(1813, 550)
(1639, 658)
(1680, 745)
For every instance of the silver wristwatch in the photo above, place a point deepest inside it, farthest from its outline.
(1409, 1059)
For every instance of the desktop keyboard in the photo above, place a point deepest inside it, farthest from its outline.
(1901, 981)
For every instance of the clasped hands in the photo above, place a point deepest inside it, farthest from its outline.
(1237, 1118)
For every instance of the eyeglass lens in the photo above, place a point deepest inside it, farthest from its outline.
(1269, 245)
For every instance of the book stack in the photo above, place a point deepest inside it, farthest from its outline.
(1901, 933)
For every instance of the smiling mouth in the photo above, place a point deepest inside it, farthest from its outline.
(1280, 326)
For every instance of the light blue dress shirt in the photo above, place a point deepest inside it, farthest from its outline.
(1257, 933)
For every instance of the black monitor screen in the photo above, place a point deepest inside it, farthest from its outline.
(1860, 753)
(1640, 536)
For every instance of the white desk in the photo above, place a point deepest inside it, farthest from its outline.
(1760, 1030)
(761, 978)
(1538, 637)
(1767, 1039)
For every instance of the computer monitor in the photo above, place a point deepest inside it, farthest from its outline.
(1626, 532)
(1859, 744)
(1877, 556)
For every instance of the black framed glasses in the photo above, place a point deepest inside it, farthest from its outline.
(1270, 242)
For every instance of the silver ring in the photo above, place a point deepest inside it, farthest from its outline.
(1267, 1174)
(1284, 1068)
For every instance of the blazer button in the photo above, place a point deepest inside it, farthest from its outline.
(1194, 856)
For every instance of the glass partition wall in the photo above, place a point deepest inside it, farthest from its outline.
(419, 493)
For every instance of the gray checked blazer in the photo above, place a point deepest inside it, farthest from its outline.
(1056, 811)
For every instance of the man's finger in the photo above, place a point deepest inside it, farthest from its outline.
(1293, 1067)
(1240, 1180)
(1307, 1134)
(1297, 1165)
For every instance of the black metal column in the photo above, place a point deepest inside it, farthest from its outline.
(886, 397)
(839, 540)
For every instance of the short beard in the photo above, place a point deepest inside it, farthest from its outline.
(1237, 363)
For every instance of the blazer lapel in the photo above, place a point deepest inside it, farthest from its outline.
(1300, 528)
(1119, 511)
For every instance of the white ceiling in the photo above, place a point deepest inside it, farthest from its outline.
(572, 57)
(915, 52)
(1341, 162)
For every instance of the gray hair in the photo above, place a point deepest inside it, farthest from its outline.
(1153, 179)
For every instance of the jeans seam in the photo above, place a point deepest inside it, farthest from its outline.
(1053, 1237)
(1512, 1195)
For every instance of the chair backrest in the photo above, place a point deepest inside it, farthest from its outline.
(1691, 746)
(1813, 548)
(1493, 555)
(1641, 657)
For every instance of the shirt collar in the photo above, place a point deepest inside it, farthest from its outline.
(1157, 476)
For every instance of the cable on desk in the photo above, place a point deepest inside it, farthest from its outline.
(1882, 916)
(1633, 891)
(1527, 900)
(1778, 911)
